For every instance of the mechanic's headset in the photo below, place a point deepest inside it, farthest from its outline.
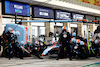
(64, 28)
(22, 43)
(17, 33)
(74, 34)
(96, 42)
(72, 40)
(91, 40)
(77, 41)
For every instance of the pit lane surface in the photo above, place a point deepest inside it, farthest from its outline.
(33, 62)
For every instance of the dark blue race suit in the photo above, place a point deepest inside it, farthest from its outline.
(64, 39)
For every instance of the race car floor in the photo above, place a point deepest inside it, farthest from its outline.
(33, 62)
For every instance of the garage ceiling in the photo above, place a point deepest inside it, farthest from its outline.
(34, 2)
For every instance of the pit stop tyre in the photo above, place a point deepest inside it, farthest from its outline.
(84, 52)
(5, 52)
